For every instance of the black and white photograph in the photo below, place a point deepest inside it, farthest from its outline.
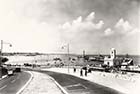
(69, 46)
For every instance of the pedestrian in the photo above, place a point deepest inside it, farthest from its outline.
(85, 72)
(89, 70)
(81, 72)
(74, 69)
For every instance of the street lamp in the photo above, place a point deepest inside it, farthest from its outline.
(2, 42)
(67, 54)
(1, 48)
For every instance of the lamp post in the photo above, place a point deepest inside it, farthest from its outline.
(2, 42)
(1, 48)
(68, 50)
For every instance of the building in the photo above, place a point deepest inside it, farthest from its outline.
(109, 60)
(114, 61)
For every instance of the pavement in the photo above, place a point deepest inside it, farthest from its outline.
(42, 84)
(13, 84)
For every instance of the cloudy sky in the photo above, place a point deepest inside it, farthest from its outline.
(91, 25)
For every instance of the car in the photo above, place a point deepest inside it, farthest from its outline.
(10, 72)
(17, 70)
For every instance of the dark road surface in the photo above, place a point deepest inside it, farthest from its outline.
(12, 84)
(75, 85)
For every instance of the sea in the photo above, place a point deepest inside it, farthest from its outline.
(44, 58)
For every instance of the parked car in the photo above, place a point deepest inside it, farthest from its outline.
(17, 70)
(10, 72)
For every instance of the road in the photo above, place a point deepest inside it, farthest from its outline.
(12, 84)
(75, 85)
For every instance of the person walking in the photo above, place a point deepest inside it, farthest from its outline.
(85, 72)
(81, 72)
(74, 69)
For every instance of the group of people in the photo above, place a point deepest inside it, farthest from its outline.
(83, 71)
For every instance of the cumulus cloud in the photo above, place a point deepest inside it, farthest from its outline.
(135, 31)
(91, 16)
(108, 32)
(85, 33)
(124, 25)
(99, 25)
(123, 35)
(65, 26)
(81, 32)
(32, 25)
(77, 21)
(81, 24)
(122, 28)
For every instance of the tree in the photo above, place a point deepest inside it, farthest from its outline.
(3, 59)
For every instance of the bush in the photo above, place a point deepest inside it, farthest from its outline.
(4, 71)
(3, 59)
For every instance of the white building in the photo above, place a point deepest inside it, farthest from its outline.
(110, 60)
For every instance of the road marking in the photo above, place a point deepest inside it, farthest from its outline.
(13, 81)
(76, 85)
(83, 86)
(73, 85)
(59, 86)
(3, 87)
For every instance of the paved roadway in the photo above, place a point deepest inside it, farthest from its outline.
(75, 85)
(12, 84)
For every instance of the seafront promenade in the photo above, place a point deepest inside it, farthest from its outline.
(41, 82)
(47, 81)
(128, 83)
